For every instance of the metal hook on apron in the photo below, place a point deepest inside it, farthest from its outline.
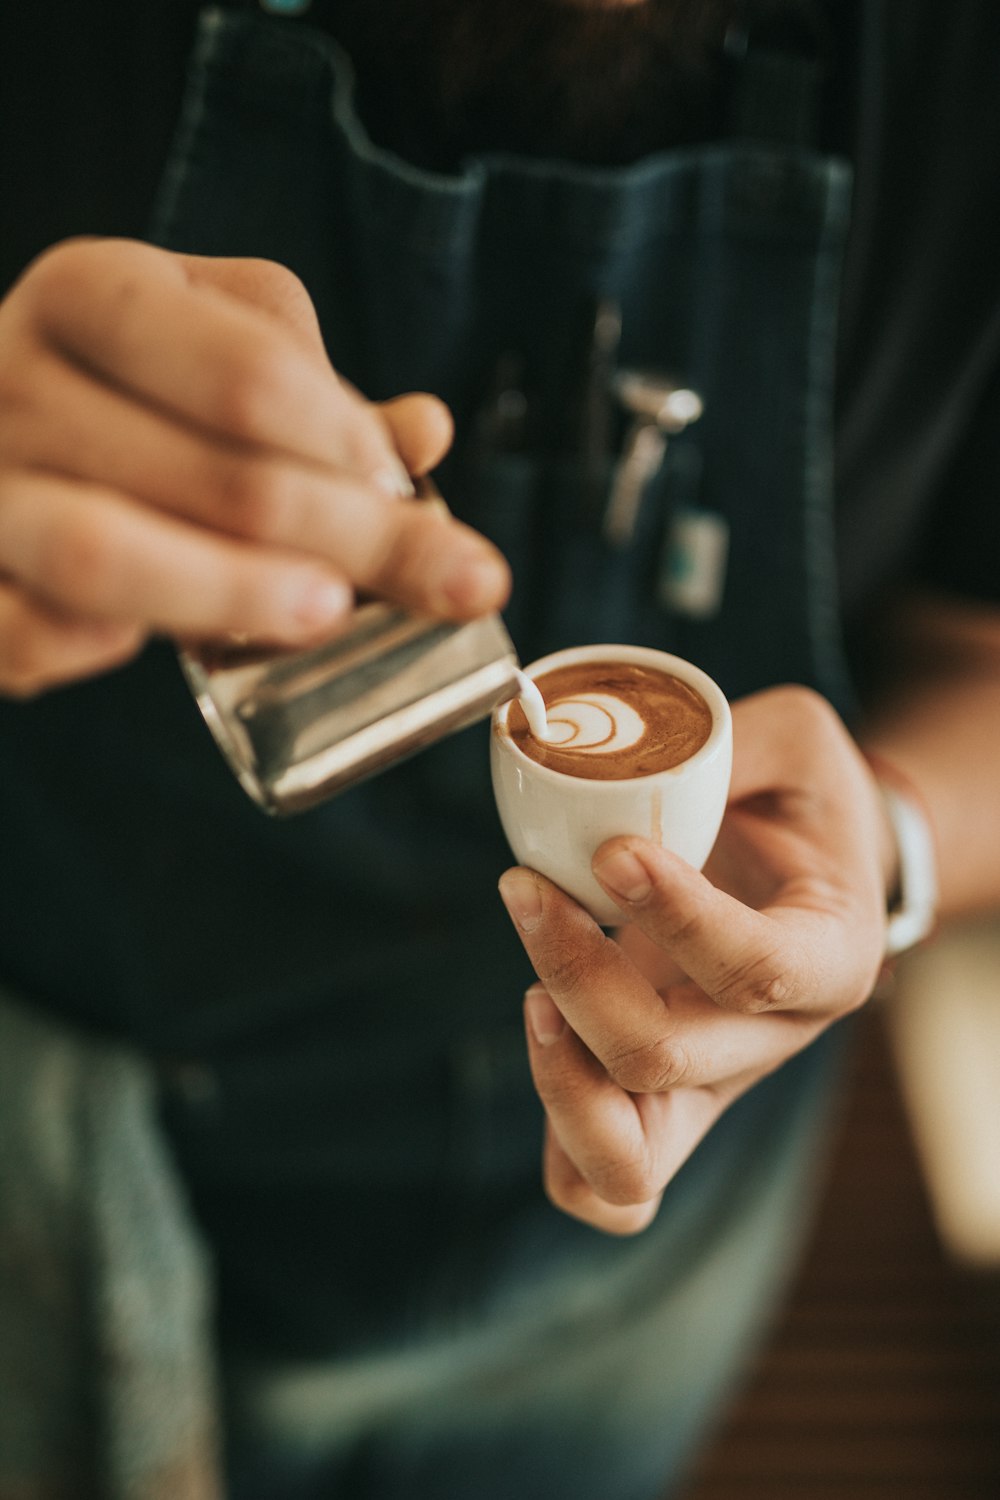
(660, 408)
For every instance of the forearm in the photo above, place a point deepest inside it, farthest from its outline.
(938, 722)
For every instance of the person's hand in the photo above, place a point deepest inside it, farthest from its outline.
(637, 1046)
(177, 455)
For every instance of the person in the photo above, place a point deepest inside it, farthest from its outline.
(282, 1065)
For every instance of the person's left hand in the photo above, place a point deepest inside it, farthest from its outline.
(638, 1045)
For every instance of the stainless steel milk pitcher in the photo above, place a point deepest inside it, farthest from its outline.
(299, 726)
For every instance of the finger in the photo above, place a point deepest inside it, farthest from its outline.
(134, 316)
(626, 1147)
(789, 728)
(90, 551)
(799, 775)
(41, 648)
(786, 957)
(266, 285)
(422, 430)
(584, 970)
(419, 426)
(400, 550)
(647, 1042)
(801, 787)
(571, 1193)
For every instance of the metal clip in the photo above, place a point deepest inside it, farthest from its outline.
(598, 403)
(660, 409)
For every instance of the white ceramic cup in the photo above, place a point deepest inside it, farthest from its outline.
(555, 823)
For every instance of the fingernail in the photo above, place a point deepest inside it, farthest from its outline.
(522, 898)
(394, 479)
(544, 1017)
(320, 602)
(624, 876)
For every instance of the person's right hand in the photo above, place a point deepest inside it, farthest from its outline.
(178, 456)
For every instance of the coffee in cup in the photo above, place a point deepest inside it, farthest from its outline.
(637, 741)
(611, 720)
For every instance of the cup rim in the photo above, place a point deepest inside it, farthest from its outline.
(664, 661)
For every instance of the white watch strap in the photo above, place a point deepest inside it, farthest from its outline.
(914, 915)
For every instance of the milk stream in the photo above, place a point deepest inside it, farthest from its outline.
(533, 705)
(592, 723)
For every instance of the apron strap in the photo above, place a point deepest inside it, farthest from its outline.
(777, 67)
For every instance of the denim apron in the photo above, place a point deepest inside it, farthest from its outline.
(400, 1311)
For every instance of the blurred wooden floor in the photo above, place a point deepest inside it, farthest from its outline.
(882, 1379)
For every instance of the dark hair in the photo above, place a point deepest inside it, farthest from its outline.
(455, 77)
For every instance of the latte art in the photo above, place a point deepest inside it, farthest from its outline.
(593, 724)
(611, 721)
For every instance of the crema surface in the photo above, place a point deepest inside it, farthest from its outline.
(609, 721)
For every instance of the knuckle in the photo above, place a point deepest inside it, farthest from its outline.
(242, 598)
(62, 270)
(564, 1195)
(279, 281)
(677, 928)
(251, 597)
(624, 1183)
(364, 439)
(395, 549)
(256, 498)
(566, 969)
(650, 1067)
(67, 275)
(23, 356)
(567, 1190)
(558, 1091)
(574, 1195)
(248, 389)
(761, 984)
(815, 714)
(20, 689)
(16, 400)
(22, 660)
(76, 560)
(284, 294)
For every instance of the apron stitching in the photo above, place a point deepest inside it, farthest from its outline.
(818, 480)
(192, 118)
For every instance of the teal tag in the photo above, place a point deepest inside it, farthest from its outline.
(693, 566)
